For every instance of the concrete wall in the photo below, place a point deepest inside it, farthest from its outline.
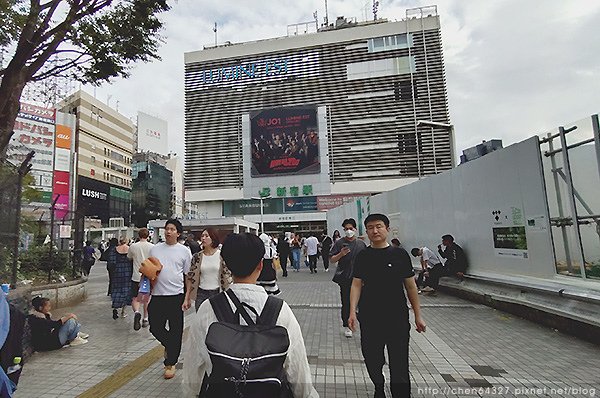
(63, 295)
(463, 202)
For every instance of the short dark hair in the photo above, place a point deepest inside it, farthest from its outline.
(377, 217)
(448, 237)
(415, 251)
(88, 242)
(176, 223)
(143, 233)
(350, 221)
(39, 302)
(214, 236)
(396, 241)
(242, 253)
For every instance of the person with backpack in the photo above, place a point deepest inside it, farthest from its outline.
(267, 357)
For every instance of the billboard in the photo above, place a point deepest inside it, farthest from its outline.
(152, 134)
(284, 141)
(62, 167)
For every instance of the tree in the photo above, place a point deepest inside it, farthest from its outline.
(91, 41)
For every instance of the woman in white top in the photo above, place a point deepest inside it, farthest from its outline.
(208, 273)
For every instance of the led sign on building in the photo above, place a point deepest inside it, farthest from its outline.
(251, 70)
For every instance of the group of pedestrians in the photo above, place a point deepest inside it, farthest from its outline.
(243, 339)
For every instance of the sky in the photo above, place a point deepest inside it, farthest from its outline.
(514, 68)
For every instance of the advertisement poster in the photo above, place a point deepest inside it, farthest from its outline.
(510, 241)
(284, 141)
(306, 203)
(152, 134)
(62, 176)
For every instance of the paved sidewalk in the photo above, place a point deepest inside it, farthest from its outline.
(468, 350)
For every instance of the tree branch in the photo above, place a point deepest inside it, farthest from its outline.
(54, 71)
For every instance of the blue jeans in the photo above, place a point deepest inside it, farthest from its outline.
(296, 258)
(68, 331)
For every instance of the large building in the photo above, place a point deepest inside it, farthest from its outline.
(152, 187)
(314, 120)
(104, 143)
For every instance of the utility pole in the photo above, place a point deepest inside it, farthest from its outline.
(23, 170)
(51, 253)
(215, 30)
(326, 15)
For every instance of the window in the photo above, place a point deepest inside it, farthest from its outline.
(388, 43)
(381, 67)
(93, 158)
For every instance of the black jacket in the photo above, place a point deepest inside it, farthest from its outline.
(44, 332)
(456, 260)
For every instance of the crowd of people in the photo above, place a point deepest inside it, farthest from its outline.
(239, 320)
(301, 145)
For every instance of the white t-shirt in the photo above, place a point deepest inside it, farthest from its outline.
(176, 260)
(312, 246)
(209, 271)
(430, 257)
(138, 252)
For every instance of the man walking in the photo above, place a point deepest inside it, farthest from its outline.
(166, 304)
(326, 244)
(379, 272)
(138, 252)
(192, 244)
(312, 250)
(344, 253)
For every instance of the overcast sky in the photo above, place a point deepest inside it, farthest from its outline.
(514, 68)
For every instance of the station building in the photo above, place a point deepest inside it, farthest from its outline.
(312, 121)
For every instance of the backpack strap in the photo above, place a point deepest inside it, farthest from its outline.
(222, 309)
(240, 308)
(270, 312)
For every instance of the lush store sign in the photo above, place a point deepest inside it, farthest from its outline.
(259, 69)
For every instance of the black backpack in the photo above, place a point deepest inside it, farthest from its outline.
(247, 361)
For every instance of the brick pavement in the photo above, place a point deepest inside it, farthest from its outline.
(468, 350)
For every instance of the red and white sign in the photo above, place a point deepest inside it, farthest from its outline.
(62, 176)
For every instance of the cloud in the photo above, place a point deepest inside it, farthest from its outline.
(514, 68)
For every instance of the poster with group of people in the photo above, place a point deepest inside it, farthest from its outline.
(284, 141)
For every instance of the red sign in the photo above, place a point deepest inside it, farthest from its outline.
(61, 187)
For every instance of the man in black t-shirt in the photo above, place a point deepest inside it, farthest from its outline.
(379, 271)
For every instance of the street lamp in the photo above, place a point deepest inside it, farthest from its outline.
(262, 198)
(445, 126)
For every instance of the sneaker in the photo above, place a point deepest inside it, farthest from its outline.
(327, 270)
(123, 314)
(115, 313)
(136, 321)
(145, 323)
(428, 289)
(78, 341)
(83, 335)
(347, 332)
(169, 372)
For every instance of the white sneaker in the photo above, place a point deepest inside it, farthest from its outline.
(83, 335)
(428, 289)
(78, 341)
(347, 332)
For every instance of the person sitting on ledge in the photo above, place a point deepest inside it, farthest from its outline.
(47, 334)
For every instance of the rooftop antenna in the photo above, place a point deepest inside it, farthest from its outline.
(375, 7)
(215, 30)
(326, 15)
(316, 18)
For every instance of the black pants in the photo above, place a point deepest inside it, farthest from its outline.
(377, 335)
(345, 296)
(325, 255)
(283, 259)
(433, 280)
(111, 271)
(312, 262)
(163, 309)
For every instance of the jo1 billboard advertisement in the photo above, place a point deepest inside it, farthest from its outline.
(152, 134)
(284, 141)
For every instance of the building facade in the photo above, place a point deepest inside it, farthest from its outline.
(151, 190)
(315, 120)
(104, 142)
